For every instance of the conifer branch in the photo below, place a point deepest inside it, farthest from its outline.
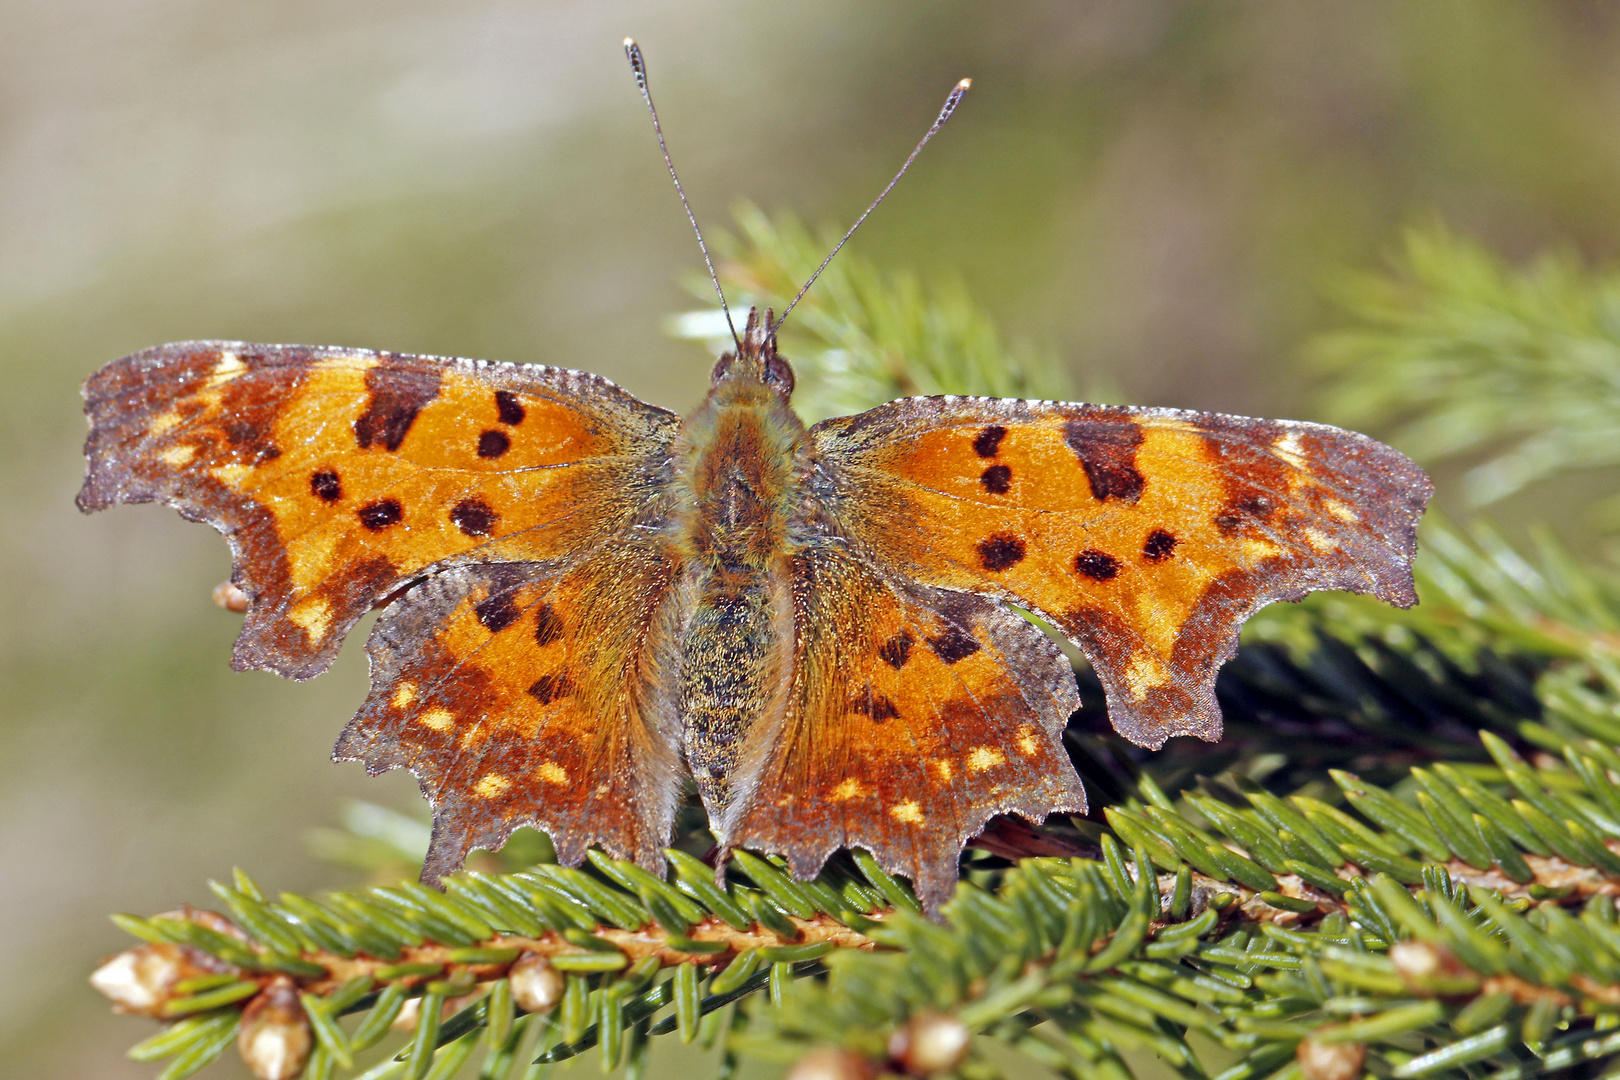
(1465, 356)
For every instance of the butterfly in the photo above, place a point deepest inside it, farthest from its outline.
(589, 601)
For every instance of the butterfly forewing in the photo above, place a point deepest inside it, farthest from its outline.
(339, 475)
(1147, 536)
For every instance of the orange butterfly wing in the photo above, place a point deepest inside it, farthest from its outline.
(340, 475)
(1146, 536)
(522, 697)
(916, 714)
(502, 510)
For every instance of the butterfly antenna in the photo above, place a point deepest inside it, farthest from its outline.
(639, 66)
(945, 111)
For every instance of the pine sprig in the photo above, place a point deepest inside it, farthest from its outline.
(1468, 357)
(590, 944)
(1459, 977)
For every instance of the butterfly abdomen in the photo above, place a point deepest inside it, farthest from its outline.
(734, 658)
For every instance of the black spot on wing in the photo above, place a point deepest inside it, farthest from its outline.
(1107, 453)
(325, 485)
(492, 444)
(1096, 565)
(397, 395)
(509, 408)
(496, 613)
(548, 688)
(953, 643)
(547, 626)
(474, 517)
(875, 705)
(996, 479)
(1160, 545)
(380, 514)
(897, 650)
(499, 609)
(1003, 551)
(988, 441)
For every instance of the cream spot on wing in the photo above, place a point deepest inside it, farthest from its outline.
(229, 367)
(491, 785)
(944, 770)
(1028, 745)
(437, 719)
(177, 456)
(230, 475)
(552, 773)
(1290, 450)
(908, 812)
(404, 694)
(849, 789)
(163, 423)
(1340, 510)
(981, 758)
(1143, 673)
(1158, 618)
(1319, 540)
(314, 614)
(1255, 550)
(309, 556)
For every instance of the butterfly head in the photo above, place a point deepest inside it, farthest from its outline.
(756, 360)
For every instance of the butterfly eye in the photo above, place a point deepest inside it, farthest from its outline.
(779, 374)
(721, 367)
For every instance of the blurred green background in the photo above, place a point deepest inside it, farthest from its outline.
(1157, 192)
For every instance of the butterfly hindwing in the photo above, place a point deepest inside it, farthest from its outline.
(1147, 536)
(338, 475)
(914, 716)
(520, 695)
